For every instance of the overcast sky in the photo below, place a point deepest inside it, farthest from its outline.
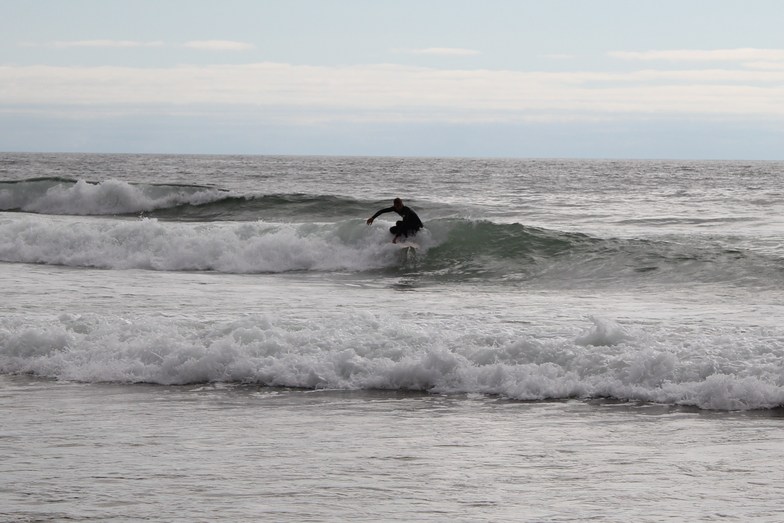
(700, 79)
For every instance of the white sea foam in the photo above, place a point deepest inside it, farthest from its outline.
(364, 351)
(249, 247)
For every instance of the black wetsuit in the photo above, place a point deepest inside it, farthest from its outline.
(408, 226)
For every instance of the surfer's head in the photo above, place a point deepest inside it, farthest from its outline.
(397, 203)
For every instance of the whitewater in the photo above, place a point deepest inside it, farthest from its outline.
(547, 297)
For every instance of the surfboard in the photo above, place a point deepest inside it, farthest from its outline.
(408, 251)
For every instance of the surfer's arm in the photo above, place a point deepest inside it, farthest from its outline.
(382, 211)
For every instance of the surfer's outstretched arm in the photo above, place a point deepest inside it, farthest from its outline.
(382, 211)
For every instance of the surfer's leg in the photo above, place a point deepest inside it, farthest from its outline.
(397, 229)
(408, 232)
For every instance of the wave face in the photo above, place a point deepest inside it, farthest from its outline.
(366, 351)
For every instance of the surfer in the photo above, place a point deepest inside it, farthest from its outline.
(408, 226)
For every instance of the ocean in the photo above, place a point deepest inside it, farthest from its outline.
(224, 338)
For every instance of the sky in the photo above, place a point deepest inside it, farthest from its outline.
(662, 79)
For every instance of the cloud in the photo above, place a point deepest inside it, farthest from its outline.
(697, 55)
(393, 93)
(765, 65)
(219, 45)
(441, 51)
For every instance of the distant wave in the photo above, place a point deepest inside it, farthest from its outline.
(452, 249)
(720, 371)
(277, 207)
(64, 196)
(78, 197)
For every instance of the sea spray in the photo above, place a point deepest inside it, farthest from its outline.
(603, 332)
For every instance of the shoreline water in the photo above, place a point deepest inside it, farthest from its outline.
(124, 452)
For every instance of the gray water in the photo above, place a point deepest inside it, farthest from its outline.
(209, 452)
(224, 338)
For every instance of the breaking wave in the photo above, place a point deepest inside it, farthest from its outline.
(450, 250)
(725, 371)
